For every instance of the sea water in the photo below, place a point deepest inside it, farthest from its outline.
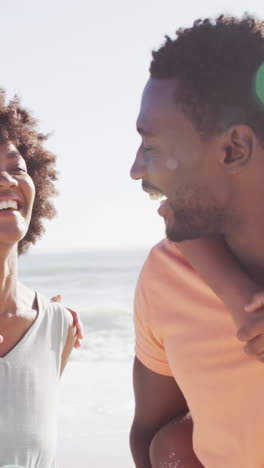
(100, 286)
(96, 398)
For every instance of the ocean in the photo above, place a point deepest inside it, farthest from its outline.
(100, 286)
(96, 401)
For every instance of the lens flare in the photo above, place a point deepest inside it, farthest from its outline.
(259, 84)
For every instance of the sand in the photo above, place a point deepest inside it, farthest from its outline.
(95, 413)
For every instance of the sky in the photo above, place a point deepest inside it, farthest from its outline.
(80, 66)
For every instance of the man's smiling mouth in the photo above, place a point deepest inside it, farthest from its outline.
(156, 195)
(153, 192)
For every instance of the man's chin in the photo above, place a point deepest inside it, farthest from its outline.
(177, 231)
(174, 236)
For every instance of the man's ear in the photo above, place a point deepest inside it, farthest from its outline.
(238, 148)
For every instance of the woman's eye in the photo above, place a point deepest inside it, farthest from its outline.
(18, 170)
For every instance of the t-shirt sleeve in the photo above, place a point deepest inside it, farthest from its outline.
(62, 320)
(55, 323)
(149, 349)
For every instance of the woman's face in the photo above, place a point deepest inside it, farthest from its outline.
(17, 192)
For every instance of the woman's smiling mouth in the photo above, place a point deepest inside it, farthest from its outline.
(4, 205)
(8, 206)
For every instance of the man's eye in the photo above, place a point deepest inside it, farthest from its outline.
(147, 148)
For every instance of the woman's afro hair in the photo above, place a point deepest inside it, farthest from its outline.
(19, 127)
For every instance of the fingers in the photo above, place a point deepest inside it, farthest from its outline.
(76, 322)
(255, 347)
(252, 328)
(79, 328)
(57, 298)
(256, 303)
(253, 333)
(77, 343)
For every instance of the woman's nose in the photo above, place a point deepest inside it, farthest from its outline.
(7, 180)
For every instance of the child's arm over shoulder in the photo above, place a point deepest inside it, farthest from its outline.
(244, 298)
(212, 259)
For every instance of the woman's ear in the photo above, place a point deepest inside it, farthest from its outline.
(238, 151)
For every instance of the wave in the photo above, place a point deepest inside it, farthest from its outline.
(100, 287)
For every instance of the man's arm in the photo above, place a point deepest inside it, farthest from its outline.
(158, 399)
(76, 320)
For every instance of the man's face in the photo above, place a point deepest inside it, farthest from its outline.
(173, 160)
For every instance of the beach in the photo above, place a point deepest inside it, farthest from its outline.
(95, 413)
(96, 395)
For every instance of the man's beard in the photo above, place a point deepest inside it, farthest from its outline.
(192, 222)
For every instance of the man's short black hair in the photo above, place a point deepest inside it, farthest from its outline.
(217, 65)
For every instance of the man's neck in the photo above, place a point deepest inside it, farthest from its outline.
(246, 241)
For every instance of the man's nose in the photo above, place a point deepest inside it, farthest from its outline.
(7, 180)
(137, 170)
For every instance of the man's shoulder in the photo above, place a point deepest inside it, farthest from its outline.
(166, 269)
(165, 256)
(166, 247)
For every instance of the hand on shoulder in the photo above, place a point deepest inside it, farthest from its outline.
(76, 322)
(252, 332)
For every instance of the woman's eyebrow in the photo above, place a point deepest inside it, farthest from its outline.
(13, 154)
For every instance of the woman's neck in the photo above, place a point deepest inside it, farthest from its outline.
(8, 280)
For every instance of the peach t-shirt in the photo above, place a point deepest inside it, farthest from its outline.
(184, 330)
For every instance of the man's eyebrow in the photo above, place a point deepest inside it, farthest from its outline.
(144, 132)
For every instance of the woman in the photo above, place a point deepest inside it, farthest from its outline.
(38, 335)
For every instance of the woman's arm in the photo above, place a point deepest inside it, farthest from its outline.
(69, 345)
(213, 260)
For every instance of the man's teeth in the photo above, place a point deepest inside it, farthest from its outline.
(155, 195)
(163, 200)
(4, 205)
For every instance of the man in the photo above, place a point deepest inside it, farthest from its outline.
(202, 127)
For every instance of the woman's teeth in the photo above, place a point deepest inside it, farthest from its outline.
(5, 205)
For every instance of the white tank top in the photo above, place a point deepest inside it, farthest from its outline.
(29, 379)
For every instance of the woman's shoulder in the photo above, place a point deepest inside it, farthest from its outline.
(55, 310)
(54, 317)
